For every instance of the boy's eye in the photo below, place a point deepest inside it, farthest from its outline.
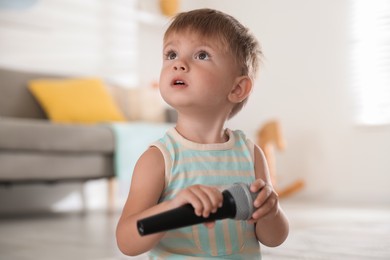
(171, 55)
(202, 55)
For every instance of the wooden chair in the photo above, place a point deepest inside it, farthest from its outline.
(270, 136)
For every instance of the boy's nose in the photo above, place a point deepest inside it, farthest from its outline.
(180, 65)
(183, 68)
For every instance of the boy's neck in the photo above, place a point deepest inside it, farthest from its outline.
(203, 130)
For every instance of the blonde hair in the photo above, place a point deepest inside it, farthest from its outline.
(238, 40)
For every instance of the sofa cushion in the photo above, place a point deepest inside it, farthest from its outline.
(29, 167)
(74, 100)
(15, 99)
(41, 135)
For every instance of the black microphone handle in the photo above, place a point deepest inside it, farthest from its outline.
(185, 216)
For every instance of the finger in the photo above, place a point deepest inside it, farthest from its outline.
(269, 206)
(210, 224)
(188, 196)
(263, 195)
(257, 185)
(215, 197)
(206, 204)
(212, 201)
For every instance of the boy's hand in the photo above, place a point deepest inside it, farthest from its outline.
(267, 200)
(204, 199)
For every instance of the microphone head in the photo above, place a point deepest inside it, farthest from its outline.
(243, 199)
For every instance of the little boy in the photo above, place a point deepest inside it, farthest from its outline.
(210, 62)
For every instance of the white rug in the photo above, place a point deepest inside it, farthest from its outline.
(334, 232)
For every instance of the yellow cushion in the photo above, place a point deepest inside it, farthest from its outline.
(75, 100)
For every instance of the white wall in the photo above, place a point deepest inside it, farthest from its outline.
(72, 37)
(305, 84)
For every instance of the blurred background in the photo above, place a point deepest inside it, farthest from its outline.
(308, 80)
(324, 78)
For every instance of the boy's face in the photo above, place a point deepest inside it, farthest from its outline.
(197, 73)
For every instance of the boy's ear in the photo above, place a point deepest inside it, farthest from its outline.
(241, 89)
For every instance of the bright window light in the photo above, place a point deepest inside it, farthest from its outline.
(371, 61)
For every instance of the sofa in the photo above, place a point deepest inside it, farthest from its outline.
(34, 150)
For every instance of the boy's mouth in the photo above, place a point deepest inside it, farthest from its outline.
(178, 83)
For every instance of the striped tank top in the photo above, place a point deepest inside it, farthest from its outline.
(220, 165)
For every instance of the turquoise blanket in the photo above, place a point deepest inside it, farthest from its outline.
(132, 139)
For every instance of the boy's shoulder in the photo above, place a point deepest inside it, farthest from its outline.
(239, 134)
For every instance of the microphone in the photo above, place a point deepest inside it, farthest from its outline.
(237, 204)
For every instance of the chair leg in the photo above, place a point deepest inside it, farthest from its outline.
(83, 197)
(111, 194)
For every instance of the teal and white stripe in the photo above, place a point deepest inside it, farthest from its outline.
(221, 165)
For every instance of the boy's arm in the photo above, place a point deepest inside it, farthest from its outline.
(271, 223)
(146, 187)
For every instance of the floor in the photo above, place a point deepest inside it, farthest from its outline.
(318, 231)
